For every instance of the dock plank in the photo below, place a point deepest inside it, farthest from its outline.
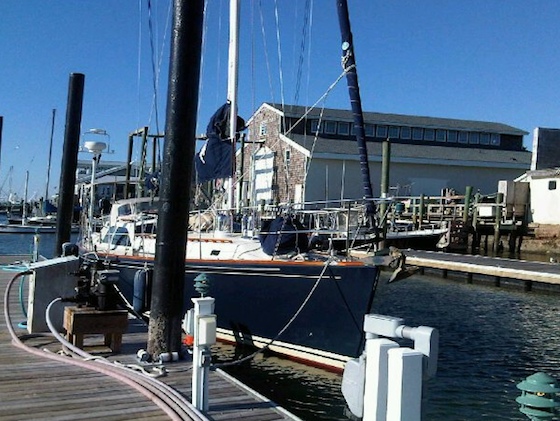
(33, 387)
(523, 270)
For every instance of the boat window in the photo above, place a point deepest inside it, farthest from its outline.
(107, 237)
(552, 185)
(495, 139)
(124, 210)
(452, 136)
(484, 138)
(120, 237)
(429, 134)
(147, 228)
(463, 137)
(393, 132)
(343, 128)
(440, 135)
(405, 132)
(417, 133)
(369, 129)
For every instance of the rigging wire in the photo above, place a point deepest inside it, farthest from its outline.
(287, 325)
(265, 49)
(303, 43)
(155, 70)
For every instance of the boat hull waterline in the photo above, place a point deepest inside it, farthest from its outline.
(256, 300)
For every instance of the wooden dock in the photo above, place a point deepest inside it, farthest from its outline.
(33, 386)
(527, 272)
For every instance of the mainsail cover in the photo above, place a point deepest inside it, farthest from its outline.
(214, 160)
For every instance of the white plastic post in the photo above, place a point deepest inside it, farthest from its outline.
(202, 307)
(375, 393)
(404, 391)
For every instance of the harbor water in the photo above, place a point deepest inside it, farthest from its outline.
(490, 339)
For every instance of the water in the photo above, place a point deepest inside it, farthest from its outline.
(490, 340)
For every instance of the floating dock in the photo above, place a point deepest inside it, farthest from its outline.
(35, 387)
(527, 272)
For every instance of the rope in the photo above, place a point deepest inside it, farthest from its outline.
(286, 326)
(165, 397)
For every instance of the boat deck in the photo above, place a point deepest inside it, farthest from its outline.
(33, 386)
(518, 270)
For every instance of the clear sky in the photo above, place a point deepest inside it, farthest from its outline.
(490, 60)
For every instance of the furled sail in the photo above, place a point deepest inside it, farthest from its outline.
(214, 160)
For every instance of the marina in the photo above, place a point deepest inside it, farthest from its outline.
(245, 273)
(491, 339)
(38, 388)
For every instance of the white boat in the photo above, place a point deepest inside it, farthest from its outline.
(272, 287)
(258, 295)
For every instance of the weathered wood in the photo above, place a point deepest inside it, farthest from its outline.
(522, 270)
(32, 387)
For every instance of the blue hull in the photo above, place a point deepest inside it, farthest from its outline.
(258, 299)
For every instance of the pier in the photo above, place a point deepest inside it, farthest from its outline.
(526, 272)
(34, 386)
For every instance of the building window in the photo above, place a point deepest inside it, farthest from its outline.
(484, 138)
(417, 133)
(452, 136)
(330, 127)
(343, 128)
(315, 126)
(405, 133)
(552, 185)
(463, 137)
(263, 130)
(393, 132)
(369, 130)
(440, 135)
(429, 134)
(381, 131)
(287, 156)
(495, 139)
(474, 138)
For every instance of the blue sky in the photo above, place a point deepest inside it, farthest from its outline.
(489, 60)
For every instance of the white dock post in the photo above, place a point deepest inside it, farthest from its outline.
(204, 336)
(404, 392)
(375, 392)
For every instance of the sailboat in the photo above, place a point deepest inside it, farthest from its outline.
(45, 221)
(298, 301)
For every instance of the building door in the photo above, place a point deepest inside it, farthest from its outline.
(262, 175)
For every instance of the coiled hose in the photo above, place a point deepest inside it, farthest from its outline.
(168, 399)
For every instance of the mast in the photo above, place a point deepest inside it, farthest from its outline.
(50, 156)
(24, 209)
(349, 64)
(233, 72)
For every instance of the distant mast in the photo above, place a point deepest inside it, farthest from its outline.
(50, 156)
(1, 125)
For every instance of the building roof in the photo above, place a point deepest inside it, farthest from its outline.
(544, 173)
(348, 149)
(296, 111)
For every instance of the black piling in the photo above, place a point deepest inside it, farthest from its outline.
(64, 214)
(166, 313)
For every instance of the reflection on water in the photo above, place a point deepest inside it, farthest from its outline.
(490, 340)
